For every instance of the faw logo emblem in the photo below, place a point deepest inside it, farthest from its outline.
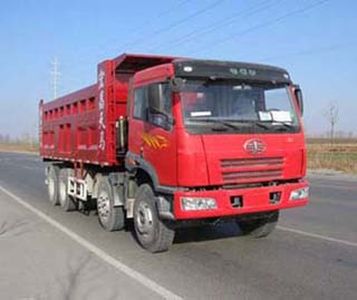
(155, 141)
(254, 146)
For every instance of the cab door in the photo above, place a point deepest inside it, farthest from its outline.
(152, 132)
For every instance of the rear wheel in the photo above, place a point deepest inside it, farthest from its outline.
(111, 217)
(66, 201)
(52, 184)
(259, 227)
(153, 234)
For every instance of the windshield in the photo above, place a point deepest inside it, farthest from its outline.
(230, 106)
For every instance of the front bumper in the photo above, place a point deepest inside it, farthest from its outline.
(254, 200)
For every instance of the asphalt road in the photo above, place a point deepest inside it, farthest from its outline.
(311, 255)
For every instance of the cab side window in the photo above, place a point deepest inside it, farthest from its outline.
(140, 103)
(160, 105)
(153, 104)
(160, 98)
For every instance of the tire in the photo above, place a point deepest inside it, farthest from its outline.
(152, 233)
(110, 217)
(259, 227)
(66, 201)
(52, 184)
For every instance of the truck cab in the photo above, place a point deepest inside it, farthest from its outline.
(223, 138)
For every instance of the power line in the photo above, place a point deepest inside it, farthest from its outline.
(157, 16)
(55, 76)
(189, 17)
(262, 6)
(172, 8)
(178, 22)
(311, 51)
(133, 31)
(264, 24)
(265, 5)
(172, 25)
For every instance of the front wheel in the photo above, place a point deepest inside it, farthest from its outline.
(260, 226)
(153, 234)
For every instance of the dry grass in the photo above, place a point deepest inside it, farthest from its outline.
(339, 156)
(338, 141)
(19, 147)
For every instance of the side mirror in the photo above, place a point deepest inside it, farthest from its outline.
(176, 84)
(160, 119)
(299, 99)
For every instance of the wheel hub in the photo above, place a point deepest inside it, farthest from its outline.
(144, 219)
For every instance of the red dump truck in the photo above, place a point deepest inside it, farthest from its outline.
(174, 142)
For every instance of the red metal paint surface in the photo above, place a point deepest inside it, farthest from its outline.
(221, 159)
(162, 159)
(254, 200)
(80, 126)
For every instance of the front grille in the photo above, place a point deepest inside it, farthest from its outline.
(252, 169)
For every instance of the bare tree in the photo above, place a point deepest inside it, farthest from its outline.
(331, 115)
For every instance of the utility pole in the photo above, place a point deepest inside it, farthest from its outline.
(55, 76)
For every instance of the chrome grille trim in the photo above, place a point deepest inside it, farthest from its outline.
(251, 169)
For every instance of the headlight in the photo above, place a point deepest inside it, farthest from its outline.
(198, 203)
(299, 194)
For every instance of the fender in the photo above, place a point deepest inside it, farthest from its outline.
(117, 183)
(134, 162)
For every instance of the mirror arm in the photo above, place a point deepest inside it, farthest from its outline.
(299, 98)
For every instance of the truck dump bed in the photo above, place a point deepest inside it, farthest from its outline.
(80, 126)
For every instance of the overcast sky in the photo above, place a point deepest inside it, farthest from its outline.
(315, 40)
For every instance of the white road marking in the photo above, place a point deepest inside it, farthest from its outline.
(147, 282)
(317, 236)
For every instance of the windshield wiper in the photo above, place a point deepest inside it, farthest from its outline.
(254, 122)
(287, 125)
(265, 124)
(218, 121)
(260, 124)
